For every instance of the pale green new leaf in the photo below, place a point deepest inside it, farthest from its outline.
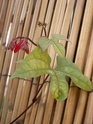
(60, 50)
(35, 64)
(68, 68)
(60, 37)
(44, 42)
(58, 86)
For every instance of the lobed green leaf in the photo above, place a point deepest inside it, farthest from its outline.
(70, 69)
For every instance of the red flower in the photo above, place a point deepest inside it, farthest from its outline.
(22, 44)
(25, 47)
(12, 45)
(18, 46)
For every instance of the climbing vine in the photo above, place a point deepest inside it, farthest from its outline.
(38, 62)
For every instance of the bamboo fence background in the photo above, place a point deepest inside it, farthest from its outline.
(72, 18)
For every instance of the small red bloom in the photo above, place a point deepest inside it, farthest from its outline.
(25, 47)
(12, 45)
(22, 44)
(18, 46)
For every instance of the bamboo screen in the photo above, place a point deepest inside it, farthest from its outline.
(72, 18)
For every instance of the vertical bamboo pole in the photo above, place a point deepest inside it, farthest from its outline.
(5, 31)
(41, 106)
(2, 23)
(11, 101)
(35, 114)
(83, 94)
(31, 35)
(3, 11)
(10, 92)
(10, 83)
(40, 110)
(32, 94)
(8, 54)
(57, 11)
(23, 100)
(52, 30)
(88, 119)
(36, 36)
(27, 85)
(70, 52)
(83, 41)
(7, 21)
(41, 19)
(35, 106)
(35, 19)
(55, 28)
(1, 2)
(18, 97)
(21, 54)
(69, 9)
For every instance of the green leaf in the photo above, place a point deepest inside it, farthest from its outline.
(44, 42)
(58, 86)
(59, 48)
(60, 37)
(70, 69)
(35, 64)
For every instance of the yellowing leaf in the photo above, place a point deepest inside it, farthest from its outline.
(58, 86)
(35, 64)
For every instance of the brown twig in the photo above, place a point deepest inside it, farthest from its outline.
(43, 26)
(21, 78)
(20, 37)
(33, 100)
(44, 81)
